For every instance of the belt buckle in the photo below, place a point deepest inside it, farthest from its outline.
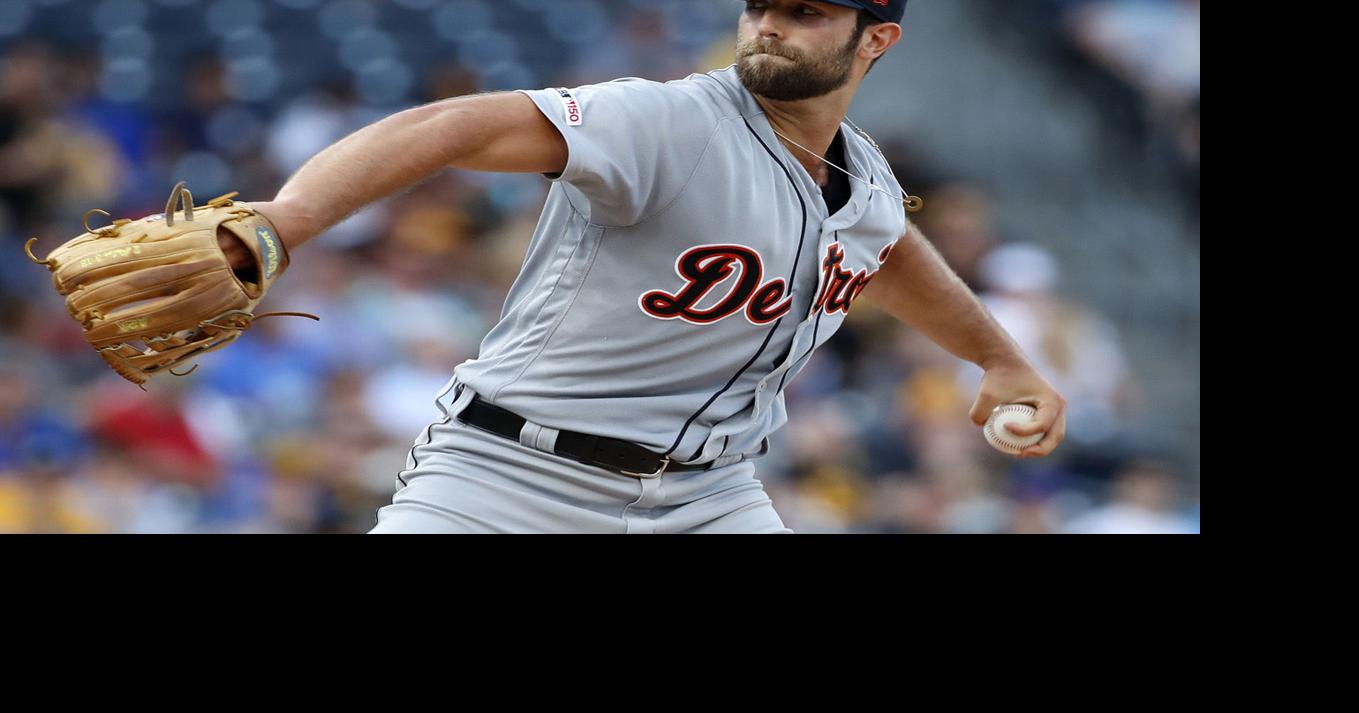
(665, 463)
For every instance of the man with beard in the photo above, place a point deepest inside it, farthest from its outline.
(700, 239)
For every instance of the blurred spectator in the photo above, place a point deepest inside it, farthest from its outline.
(154, 430)
(1154, 47)
(312, 122)
(32, 435)
(961, 225)
(48, 162)
(631, 52)
(1075, 348)
(1144, 503)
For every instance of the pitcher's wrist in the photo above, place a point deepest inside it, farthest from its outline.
(291, 221)
(1010, 356)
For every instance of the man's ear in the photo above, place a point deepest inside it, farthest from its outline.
(880, 38)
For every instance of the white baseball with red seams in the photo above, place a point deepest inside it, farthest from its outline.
(1004, 440)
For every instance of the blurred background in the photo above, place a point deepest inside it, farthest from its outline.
(1056, 143)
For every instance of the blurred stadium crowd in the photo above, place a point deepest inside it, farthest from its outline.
(1141, 58)
(297, 428)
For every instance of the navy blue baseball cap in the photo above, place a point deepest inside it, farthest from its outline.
(885, 10)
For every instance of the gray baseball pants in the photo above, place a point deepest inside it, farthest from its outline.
(461, 479)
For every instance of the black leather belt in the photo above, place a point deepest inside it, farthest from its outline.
(623, 456)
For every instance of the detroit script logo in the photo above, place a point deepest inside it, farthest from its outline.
(740, 269)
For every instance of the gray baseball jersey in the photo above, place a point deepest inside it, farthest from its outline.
(682, 272)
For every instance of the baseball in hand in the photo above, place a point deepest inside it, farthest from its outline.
(1001, 438)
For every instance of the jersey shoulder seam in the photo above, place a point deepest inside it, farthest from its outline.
(733, 109)
(721, 123)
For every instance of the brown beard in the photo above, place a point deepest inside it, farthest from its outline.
(802, 78)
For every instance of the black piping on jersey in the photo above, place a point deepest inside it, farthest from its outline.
(428, 435)
(792, 274)
(816, 326)
(816, 329)
(769, 335)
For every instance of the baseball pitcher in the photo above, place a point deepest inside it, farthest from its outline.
(701, 238)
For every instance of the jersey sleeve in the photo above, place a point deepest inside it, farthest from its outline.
(633, 144)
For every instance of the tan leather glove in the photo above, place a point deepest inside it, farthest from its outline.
(156, 292)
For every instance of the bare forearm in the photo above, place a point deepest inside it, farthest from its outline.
(369, 164)
(919, 288)
(488, 132)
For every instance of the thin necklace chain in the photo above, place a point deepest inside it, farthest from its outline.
(912, 203)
